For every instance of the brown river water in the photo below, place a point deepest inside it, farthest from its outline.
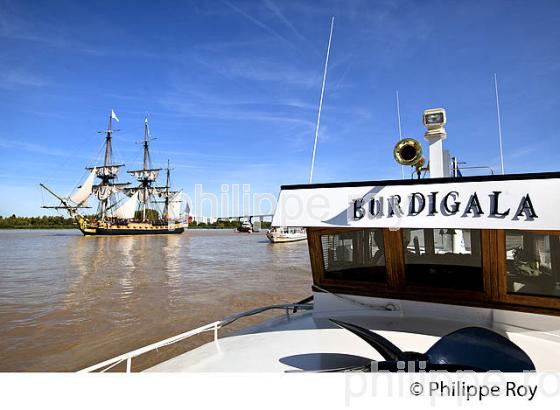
(69, 301)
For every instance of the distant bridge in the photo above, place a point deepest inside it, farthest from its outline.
(254, 220)
(250, 218)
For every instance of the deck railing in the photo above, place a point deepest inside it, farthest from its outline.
(214, 326)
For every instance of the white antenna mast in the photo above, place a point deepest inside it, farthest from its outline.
(400, 132)
(321, 104)
(499, 123)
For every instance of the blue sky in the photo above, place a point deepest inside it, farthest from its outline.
(232, 87)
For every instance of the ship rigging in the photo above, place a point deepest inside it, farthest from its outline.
(135, 212)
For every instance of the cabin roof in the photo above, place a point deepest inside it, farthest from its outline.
(427, 181)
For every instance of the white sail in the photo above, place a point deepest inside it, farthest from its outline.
(82, 194)
(150, 174)
(108, 170)
(127, 209)
(145, 194)
(161, 191)
(175, 207)
(105, 191)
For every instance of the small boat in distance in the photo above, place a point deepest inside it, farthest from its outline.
(245, 226)
(280, 234)
(125, 210)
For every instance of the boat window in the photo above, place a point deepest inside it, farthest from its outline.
(533, 263)
(354, 255)
(443, 258)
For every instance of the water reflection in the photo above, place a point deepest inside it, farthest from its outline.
(126, 244)
(171, 256)
(67, 301)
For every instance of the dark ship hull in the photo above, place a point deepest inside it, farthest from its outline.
(139, 228)
(124, 231)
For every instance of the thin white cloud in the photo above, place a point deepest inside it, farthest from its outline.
(15, 78)
(227, 46)
(14, 27)
(18, 27)
(262, 70)
(36, 148)
(257, 22)
(225, 110)
(270, 5)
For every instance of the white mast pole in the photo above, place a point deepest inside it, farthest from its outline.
(499, 123)
(400, 131)
(321, 104)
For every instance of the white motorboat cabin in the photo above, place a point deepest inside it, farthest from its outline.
(491, 241)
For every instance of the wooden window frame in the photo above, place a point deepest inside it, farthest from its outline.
(506, 297)
(318, 269)
(459, 294)
(493, 295)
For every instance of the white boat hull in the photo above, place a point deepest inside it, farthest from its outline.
(280, 238)
(307, 341)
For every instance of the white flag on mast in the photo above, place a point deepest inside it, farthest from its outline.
(114, 116)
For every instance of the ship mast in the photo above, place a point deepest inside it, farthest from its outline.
(147, 175)
(107, 173)
(145, 168)
(167, 182)
(108, 148)
(104, 191)
(168, 195)
(108, 153)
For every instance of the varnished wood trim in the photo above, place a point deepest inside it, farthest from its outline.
(334, 230)
(535, 231)
(500, 274)
(489, 262)
(318, 269)
(530, 300)
(394, 258)
(516, 299)
(493, 254)
(315, 254)
(486, 259)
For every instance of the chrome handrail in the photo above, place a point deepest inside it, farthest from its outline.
(215, 326)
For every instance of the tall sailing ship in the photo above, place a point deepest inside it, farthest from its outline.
(123, 209)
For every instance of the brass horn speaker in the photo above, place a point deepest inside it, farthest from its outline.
(408, 151)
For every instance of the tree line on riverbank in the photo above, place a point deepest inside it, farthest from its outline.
(36, 222)
(59, 222)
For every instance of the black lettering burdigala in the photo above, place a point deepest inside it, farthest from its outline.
(449, 203)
